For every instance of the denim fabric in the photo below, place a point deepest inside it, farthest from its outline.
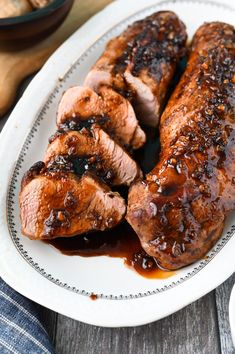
(21, 331)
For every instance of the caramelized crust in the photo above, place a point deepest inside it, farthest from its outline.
(140, 63)
(59, 204)
(92, 150)
(108, 109)
(179, 211)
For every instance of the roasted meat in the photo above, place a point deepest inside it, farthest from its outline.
(92, 150)
(140, 63)
(109, 109)
(179, 211)
(60, 204)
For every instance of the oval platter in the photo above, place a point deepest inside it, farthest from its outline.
(62, 283)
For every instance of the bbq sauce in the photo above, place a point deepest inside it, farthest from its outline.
(120, 242)
(93, 297)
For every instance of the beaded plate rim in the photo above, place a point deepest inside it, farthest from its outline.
(10, 202)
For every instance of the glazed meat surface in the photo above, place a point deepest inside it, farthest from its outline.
(92, 150)
(109, 109)
(59, 204)
(179, 211)
(140, 63)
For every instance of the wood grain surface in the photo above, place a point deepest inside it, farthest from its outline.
(179, 333)
(200, 328)
(18, 60)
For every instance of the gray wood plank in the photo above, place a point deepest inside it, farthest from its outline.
(49, 320)
(222, 303)
(192, 330)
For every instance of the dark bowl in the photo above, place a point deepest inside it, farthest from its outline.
(36, 24)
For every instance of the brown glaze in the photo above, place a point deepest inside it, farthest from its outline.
(60, 204)
(121, 242)
(82, 106)
(91, 149)
(178, 212)
(93, 297)
(141, 62)
(80, 158)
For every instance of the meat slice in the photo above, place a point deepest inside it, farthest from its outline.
(92, 150)
(122, 123)
(59, 204)
(109, 109)
(179, 211)
(140, 63)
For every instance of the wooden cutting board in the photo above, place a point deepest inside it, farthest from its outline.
(17, 62)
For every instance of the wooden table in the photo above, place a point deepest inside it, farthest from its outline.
(200, 328)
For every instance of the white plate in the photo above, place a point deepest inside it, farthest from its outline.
(64, 283)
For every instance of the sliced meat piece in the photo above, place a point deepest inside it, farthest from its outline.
(60, 204)
(179, 211)
(79, 102)
(109, 109)
(93, 150)
(141, 62)
(122, 123)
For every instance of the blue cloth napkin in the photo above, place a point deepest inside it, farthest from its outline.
(21, 331)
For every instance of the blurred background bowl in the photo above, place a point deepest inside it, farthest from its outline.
(36, 24)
